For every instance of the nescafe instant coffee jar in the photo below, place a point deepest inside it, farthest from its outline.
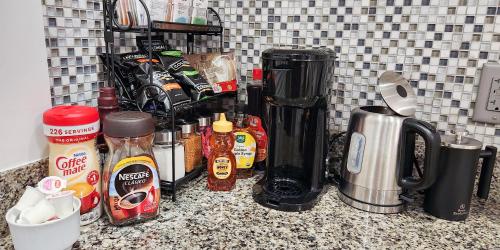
(131, 183)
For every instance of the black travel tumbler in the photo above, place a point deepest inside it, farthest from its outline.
(450, 196)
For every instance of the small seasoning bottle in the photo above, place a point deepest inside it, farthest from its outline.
(205, 129)
(192, 145)
(221, 162)
(131, 183)
(163, 154)
(245, 145)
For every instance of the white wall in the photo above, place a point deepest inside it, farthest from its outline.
(24, 82)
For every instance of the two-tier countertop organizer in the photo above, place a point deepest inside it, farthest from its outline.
(111, 26)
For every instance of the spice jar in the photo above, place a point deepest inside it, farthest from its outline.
(205, 129)
(192, 145)
(131, 183)
(163, 154)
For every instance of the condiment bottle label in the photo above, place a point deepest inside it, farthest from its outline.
(134, 188)
(244, 149)
(222, 168)
(255, 124)
(206, 133)
(71, 134)
(79, 165)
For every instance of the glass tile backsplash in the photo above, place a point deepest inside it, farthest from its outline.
(440, 46)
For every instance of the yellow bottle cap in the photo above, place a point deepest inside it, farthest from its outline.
(222, 125)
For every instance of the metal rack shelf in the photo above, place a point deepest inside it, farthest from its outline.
(169, 27)
(111, 26)
(168, 185)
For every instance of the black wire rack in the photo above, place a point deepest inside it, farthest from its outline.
(111, 26)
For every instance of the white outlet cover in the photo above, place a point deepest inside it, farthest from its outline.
(487, 108)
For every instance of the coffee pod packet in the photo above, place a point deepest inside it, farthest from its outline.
(124, 67)
(190, 79)
(153, 99)
(158, 44)
(219, 69)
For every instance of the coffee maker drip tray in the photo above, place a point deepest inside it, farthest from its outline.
(285, 188)
(284, 194)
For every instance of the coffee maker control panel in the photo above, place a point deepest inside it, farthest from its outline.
(356, 151)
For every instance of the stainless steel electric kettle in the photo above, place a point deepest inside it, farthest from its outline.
(378, 156)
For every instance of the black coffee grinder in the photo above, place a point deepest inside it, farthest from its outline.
(295, 118)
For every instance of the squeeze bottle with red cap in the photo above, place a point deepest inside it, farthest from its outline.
(254, 121)
(71, 132)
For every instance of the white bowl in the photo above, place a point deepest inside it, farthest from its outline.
(53, 235)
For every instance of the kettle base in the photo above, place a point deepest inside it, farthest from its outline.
(370, 207)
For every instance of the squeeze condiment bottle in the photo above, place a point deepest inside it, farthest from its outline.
(130, 177)
(205, 131)
(71, 132)
(221, 162)
(254, 92)
(244, 144)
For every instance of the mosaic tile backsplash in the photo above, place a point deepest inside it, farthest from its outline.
(439, 45)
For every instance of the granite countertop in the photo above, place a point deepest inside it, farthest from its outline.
(204, 219)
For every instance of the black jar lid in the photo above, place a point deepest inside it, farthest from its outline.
(296, 54)
(128, 124)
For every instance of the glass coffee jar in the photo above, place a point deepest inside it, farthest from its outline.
(131, 183)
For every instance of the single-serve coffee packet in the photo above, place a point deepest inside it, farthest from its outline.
(191, 80)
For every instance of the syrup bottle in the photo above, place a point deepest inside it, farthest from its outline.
(245, 145)
(221, 162)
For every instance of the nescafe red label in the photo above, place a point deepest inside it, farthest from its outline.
(133, 177)
(134, 188)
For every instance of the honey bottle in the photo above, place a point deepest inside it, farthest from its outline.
(245, 145)
(221, 162)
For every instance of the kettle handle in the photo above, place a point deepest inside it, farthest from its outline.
(489, 155)
(432, 140)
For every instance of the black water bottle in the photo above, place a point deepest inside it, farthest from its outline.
(450, 196)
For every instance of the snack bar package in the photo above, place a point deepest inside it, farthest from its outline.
(193, 83)
(219, 70)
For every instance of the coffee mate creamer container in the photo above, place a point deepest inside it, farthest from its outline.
(72, 132)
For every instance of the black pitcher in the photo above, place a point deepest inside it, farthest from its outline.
(450, 196)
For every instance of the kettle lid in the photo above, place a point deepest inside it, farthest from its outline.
(460, 141)
(397, 93)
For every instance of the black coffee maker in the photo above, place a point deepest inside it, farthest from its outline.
(295, 118)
